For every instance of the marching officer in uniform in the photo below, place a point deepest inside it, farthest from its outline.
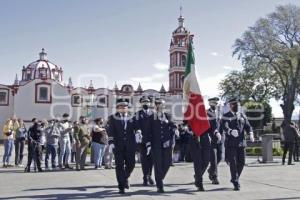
(234, 124)
(159, 142)
(200, 147)
(142, 118)
(216, 144)
(122, 134)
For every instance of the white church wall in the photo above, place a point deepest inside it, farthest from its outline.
(27, 107)
(6, 108)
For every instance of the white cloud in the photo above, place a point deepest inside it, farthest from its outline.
(161, 66)
(153, 81)
(209, 85)
(227, 67)
(215, 54)
(148, 78)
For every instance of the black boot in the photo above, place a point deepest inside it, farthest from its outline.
(215, 181)
(121, 191)
(127, 184)
(236, 186)
(145, 183)
(150, 180)
(27, 169)
(160, 190)
(200, 188)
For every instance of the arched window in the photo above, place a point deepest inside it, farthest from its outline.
(28, 75)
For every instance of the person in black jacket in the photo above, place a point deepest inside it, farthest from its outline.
(216, 144)
(200, 151)
(184, 139)
(234, 124)
(142, 118)
(159, 142)
(123, 133)
(290, 136)
(34, 145)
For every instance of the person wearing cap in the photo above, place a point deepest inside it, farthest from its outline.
(82, 136)
(52, 134)
(160, 142)
(234, 124)
(34, 145)
(64, 142)
(142, 118)
(121, 129)
(216, 141)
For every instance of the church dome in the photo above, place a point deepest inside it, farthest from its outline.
(42, 69)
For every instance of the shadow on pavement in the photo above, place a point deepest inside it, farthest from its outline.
(107, 192)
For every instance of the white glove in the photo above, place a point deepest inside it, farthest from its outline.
(234, 133)
(138, 137)
(166, 144)
(218, 135)
(252, 137)
(111, 147)
(148, 150)
(176, 132)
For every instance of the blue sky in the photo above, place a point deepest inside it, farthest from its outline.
(125, 40)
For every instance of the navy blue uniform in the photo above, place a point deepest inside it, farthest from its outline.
(142, 118)
(216, 148)
(121, 132)
(200, 152)
(235, 146)
(184, 140)
(161, 137)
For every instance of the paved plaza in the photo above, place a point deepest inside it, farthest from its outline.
(259, 182)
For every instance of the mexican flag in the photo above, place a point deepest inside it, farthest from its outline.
(194, 108)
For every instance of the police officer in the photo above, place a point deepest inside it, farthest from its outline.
(200, 151)
(121, 131)
(216, 144)
(159, 142)
(34, 145)
(142, 118)
(234, 124)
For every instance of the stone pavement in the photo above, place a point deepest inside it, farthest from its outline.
(259, 182)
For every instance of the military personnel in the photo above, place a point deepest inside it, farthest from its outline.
(234, 124)
(143, 122)
(122, 134)
(159, 142)
(82, 136)
(216, 144)
(200, 147)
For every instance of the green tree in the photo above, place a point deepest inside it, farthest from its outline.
(252, 83)
(273, 42)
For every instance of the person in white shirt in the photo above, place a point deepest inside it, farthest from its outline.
(64, 142)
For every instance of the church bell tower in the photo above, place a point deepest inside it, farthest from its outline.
(178, 55)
